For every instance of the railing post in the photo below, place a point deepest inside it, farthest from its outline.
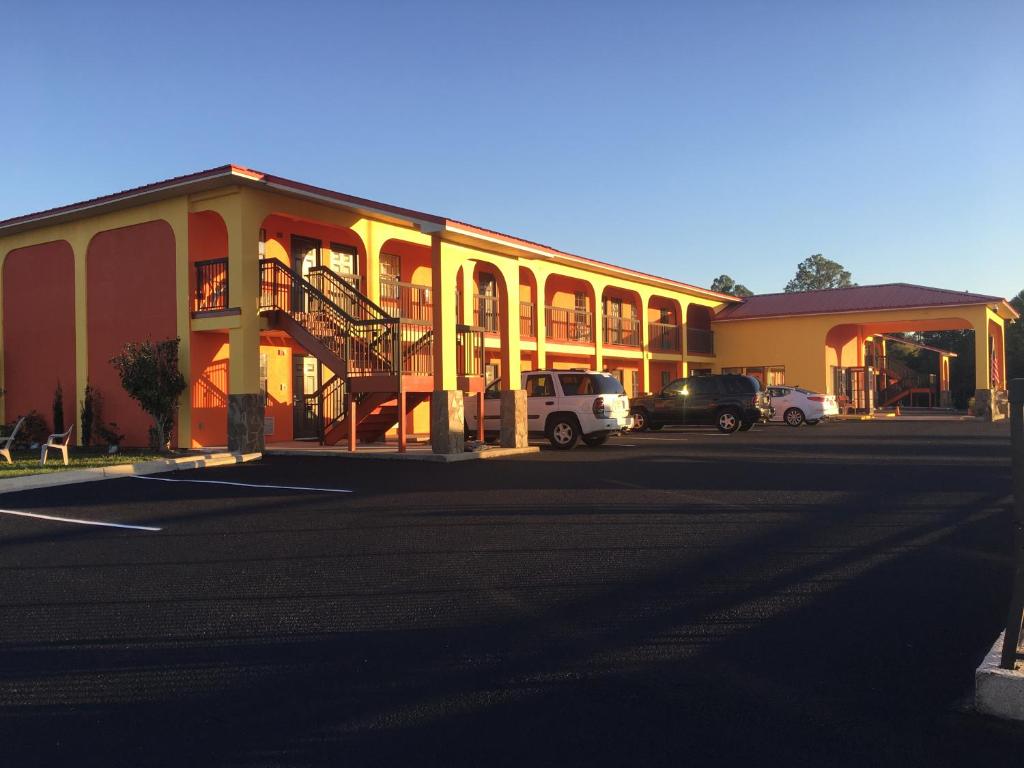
(1011, 640)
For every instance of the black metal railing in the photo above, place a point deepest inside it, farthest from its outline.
(569, 324)
(409, 301)
(211, 286)
(623, 331)
(486, 312)
(345, 294)
(700, 341)
(469, 344)
(527, 320)
(663, 337)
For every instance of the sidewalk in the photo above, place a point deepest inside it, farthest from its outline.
(71, 476)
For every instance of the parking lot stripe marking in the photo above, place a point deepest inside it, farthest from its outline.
(79, 522)
(242, 485)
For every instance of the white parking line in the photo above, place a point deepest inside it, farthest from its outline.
(77, 521)
(241, 485)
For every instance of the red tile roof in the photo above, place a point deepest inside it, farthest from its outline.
(860, 298)
(229, 174)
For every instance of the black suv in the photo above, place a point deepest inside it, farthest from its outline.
(729, 401)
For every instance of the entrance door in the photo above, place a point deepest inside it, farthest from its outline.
(305, 256)
(304, 410)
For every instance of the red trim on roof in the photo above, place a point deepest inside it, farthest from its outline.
(155, 186)
(854, 299)
(555, 252)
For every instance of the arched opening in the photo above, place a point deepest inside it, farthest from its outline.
(700, 340)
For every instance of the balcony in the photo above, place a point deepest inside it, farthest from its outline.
(664, 337)
(211, 286)
(486, 312)
(408, 301)
(527, 320)
(570, 325)
(622, 331)
(700, 342)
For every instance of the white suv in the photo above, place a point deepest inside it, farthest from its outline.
(564, 405)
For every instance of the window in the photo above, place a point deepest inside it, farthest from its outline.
(776, 375)
(589, 384)
(664, 379)
(264, 369)
(732, 370)
(540, 386)
(703, 385)
(343, 260)
(675, 388)
(741, 385)
(757, 373)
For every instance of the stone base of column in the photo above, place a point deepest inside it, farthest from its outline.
(447, 422)
(245, 423)
(991, 404)
(945, 399)
(514, 429)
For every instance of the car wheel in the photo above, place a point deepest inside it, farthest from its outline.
(746, 426)
(728, 421)
(794, 417)
(812, 422)
(641, 422)
(595, 440)
(563, 432)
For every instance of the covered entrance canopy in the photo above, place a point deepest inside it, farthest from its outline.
(813, 333)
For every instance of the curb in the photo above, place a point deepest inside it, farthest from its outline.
(437, 458)
(93, 474)
(998, 691)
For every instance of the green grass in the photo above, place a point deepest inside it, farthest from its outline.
(27, 462)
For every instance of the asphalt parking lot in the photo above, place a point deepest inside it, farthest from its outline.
(812, 596)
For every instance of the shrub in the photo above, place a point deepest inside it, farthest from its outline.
(109, 434)
(58, 409)
(149, 374)
(90, 414)
(34, 430)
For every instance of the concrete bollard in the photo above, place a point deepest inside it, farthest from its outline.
(1011, 639)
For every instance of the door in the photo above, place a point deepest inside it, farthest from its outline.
(487, 303)
(540, 400)
(343, 261)
(613, 328)
(701, 400)
(305, 256)
(670, 403)
(304, 409)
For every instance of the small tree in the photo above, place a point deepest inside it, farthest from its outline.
(149, 374)
(816, 273)
(725, 284)
(90, 414)
(58, 409)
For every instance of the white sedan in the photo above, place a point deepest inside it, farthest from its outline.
(797, 406)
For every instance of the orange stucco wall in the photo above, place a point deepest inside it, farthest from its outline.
(657, 368)
(280, 229)
(39, 330)
(131, 288)
(210, 352)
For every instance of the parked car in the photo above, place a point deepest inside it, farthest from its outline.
(796, 406)
(566, 406)
(729, 401)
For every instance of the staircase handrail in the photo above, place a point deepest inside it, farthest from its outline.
(356, 295)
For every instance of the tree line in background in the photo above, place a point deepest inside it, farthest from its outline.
(816, 273)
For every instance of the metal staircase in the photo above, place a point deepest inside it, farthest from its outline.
(368, 351)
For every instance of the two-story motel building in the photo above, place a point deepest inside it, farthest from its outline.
(307, 313)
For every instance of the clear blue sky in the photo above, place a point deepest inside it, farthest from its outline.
(685, 139)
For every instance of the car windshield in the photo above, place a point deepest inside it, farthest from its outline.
(590, 384)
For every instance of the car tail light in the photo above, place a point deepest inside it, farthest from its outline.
(599, 408)
(816, 399)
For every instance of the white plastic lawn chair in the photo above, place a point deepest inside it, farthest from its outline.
(7, 442)
(59, 442)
